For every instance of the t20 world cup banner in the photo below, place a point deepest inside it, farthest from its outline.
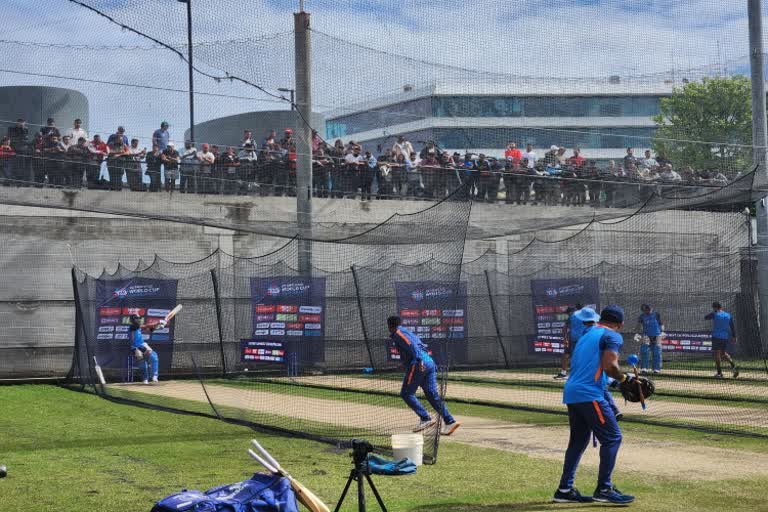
(289, 315)
(437, 313)
(551, 299)
(116, 301)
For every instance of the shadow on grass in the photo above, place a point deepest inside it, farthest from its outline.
(531, 506)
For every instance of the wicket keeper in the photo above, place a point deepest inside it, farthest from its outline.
(723, 331)
(142, 351)
(594, 359)
(420, 372)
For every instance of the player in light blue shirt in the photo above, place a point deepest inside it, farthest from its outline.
(723, 332)
(142, 351)
(594, 359)
(650, 324)
(572, 331)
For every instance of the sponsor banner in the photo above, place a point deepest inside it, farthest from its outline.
(430, 309)
(260, 351)
(109, 320)
(551, 298)
(107, 328)
(684, 341)
(295, 307)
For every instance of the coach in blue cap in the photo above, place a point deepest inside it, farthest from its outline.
(594, 359)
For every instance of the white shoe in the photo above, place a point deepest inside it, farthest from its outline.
(644, 371)
(423, 425)
(449, 428)
(154, 379)
(656, 372)
(145, 381)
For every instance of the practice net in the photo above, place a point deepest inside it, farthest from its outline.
(479, 195)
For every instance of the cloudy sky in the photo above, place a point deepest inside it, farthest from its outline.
(362, 49)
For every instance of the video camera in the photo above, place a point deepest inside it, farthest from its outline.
(360, 450)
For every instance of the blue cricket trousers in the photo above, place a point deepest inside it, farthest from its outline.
(414, 379)
(585, 418)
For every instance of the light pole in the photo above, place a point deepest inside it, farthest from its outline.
(191, 70)
(759, 143)
(293, 96)
(303, 116)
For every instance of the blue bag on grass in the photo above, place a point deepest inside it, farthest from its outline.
(262, 493)
(381, 466)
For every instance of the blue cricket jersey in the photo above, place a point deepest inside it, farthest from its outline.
(588, 380)
(576, 328)
(722, 325)
(651, 323)
(409, 345)
(137, 339)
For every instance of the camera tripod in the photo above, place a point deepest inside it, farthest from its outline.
(360, 473)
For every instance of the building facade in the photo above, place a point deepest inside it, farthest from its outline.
(601, 118)
(35, 104)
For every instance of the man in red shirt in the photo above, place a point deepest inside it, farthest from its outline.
(513, 154)
(576, 159)
(6, 156)
(98, 151)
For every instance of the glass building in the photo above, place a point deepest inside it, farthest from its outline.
(602, 118)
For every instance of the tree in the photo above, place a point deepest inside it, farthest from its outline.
(707, 125)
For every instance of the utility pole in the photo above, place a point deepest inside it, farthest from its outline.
(303, 117)
(759, 148)
(191, 70)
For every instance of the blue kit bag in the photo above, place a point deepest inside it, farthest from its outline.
(262, 493)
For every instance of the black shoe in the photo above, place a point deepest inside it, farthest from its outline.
(572, 496)
(612, 495)
(619, 416)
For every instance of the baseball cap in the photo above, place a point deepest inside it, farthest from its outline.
(613, 314)
(288, 130)
(587, 315)
(553, 148)
(171, 145)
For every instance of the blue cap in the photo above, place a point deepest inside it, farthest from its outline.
(613, 314)
(587, 315)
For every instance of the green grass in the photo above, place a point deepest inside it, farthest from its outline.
(69, 451)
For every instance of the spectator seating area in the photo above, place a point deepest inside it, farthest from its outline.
(341, 170)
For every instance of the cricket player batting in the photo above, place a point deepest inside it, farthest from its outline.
(420, 372)
(142, 351)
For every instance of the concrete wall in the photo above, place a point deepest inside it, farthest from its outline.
(39, 246)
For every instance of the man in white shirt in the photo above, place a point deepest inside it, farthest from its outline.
(402, 147)
(530, 155)
(76, 132)
(354, 163)
(206, 159)
(190, 167)
(648, 161)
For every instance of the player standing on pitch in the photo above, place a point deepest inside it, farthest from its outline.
(572, 331)
(595, 358)
(141, 350)
(723, 331)
(420, 371)
(650, 324)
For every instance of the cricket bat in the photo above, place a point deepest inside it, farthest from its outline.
(98, 371)
(305, 496)
(172, 313)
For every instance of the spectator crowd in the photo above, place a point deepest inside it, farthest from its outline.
(341, 170)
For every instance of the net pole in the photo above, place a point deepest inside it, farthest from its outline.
(191, 71)
(759, 146)
(495, 319)
(303, 115)
(217, 300)
(362, 319)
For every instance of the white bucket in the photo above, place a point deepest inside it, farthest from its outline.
(408, 445)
